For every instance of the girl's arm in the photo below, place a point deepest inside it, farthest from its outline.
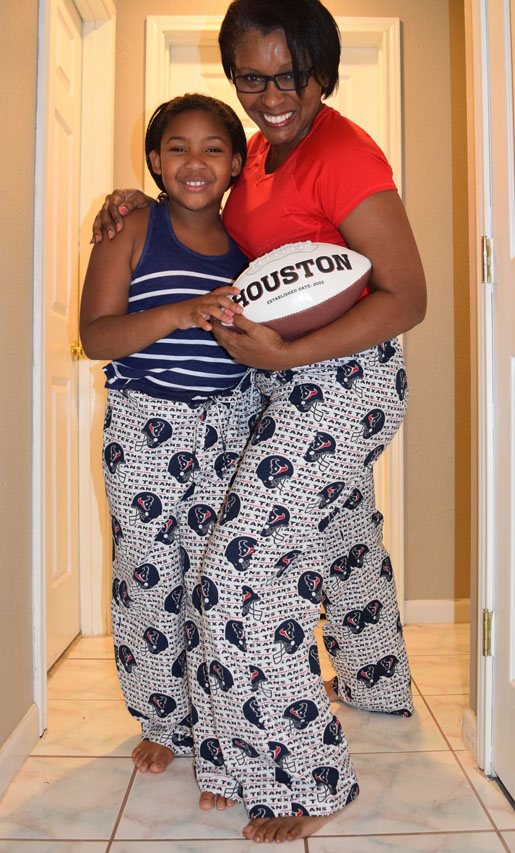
(379, 229)
(107, 331)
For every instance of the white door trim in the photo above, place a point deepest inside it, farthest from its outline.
(478, 17)
(163, 31)
(96, 179)
(100, 101)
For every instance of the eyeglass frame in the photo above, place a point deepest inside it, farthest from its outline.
(267, 77)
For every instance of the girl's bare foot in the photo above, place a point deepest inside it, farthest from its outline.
(212, 801)
(265, 830)
(151, 756)
(333, 696)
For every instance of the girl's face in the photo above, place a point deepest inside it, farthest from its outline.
(196, 160)
(284, 118)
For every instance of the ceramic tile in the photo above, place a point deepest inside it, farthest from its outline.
(498, 805)
(449, 711)
(53, 846)
(92, 647)
(165, 805)
(88, 728)
(409, 792)
(462, 842)
(436, 675)
(221, 846)
(509, 838)
(65, 798)
(84, 679)
(445, 639)
(369, 732)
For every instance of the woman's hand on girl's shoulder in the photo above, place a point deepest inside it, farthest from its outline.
(119, 203)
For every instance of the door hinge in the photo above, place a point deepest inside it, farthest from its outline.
(487, 632)
(77, 351)
(486, 260)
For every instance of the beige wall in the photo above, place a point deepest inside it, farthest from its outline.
(437, 463)
(18, 36)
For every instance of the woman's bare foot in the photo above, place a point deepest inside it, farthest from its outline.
(151, 756)
(333, 696)
(211, 801)
(265, 830)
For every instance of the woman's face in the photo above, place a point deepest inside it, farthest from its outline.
(284, 118)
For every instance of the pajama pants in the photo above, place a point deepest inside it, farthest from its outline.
(167, 468)
(300, 527)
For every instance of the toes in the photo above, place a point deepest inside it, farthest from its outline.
(157, 767)
(207, 800)
(293, 832)
(283, 832)
(250, 830)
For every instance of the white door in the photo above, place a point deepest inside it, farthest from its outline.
(182, 55)
(501, 35)
(61, 244)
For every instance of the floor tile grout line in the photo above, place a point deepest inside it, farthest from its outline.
(77, 755)
(414, 832)
(121, 810)
(476, 793)
(431, 655)
(234, 840)
(80, 699)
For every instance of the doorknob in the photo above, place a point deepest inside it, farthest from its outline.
(77, 351)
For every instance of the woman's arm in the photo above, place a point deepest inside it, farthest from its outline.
(106, 330)
(379, 229)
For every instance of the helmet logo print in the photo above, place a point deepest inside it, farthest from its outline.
(155, 432)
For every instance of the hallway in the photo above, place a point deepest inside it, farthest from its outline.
(420, 790)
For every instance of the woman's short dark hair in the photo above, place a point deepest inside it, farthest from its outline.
(311, 33)
(188, 103)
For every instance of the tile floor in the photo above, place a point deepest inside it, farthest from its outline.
(420, 789)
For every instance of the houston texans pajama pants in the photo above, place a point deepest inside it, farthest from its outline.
(299, 526)
(167, 467)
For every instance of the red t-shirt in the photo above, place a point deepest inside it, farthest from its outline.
(334, 168)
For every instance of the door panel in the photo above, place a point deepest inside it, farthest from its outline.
(61, 325)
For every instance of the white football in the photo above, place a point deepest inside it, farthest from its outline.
(300, 287)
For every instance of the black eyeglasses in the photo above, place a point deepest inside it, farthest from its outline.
(258, 82)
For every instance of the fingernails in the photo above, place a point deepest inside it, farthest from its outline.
(110, 234)
(118, 226)
(122, 209)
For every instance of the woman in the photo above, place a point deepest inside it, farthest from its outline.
(266, 733)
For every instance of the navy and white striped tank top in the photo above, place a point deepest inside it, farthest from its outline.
(188, 362)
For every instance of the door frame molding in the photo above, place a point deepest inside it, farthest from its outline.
(98, 93)
(384, 34)
(483, 296)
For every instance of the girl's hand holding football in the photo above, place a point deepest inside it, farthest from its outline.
(199, 310)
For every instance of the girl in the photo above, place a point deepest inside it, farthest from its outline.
(178, 407)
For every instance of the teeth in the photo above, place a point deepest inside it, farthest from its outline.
(195, 183)
(277, 119)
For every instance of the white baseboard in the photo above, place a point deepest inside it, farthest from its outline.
(17, 746)
(469, 731)
(422, 611)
